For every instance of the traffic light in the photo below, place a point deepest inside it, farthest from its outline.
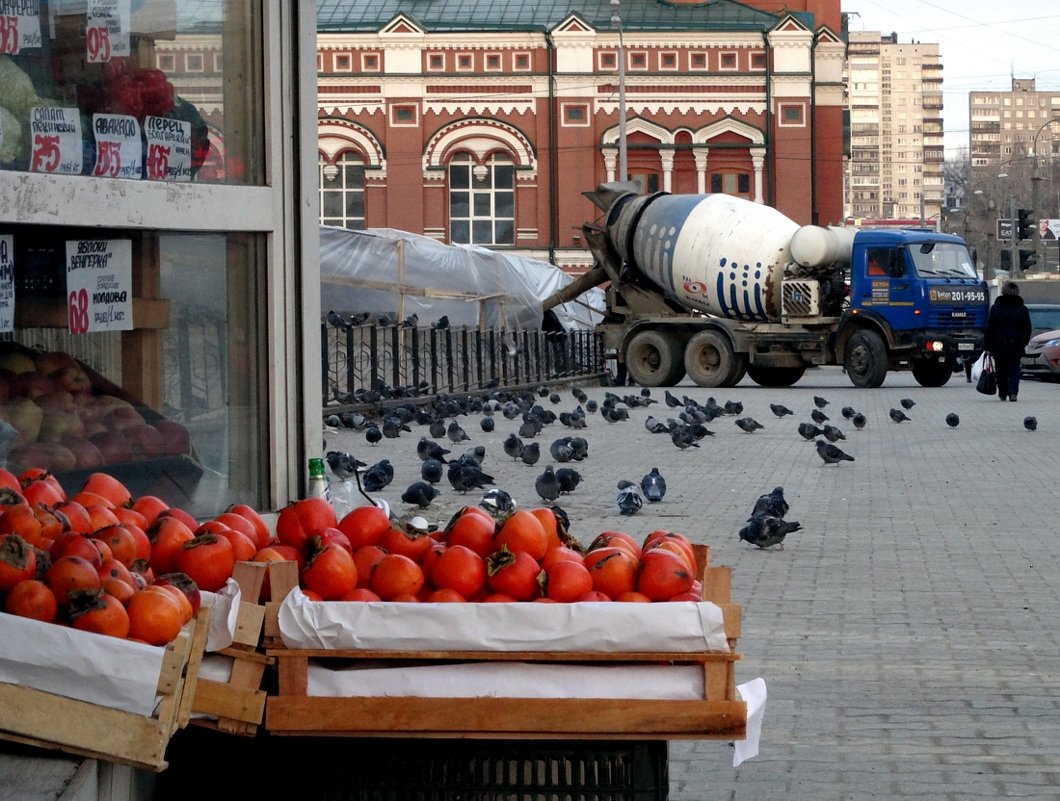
(1025, 225)
(1027, 259)
(1006, 260)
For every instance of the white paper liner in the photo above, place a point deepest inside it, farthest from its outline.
(224, 610)
(103, 670)
(587, 627)
(511, 680)
(754, 694)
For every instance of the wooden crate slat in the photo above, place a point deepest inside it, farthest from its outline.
(511, 656)
(226, 701)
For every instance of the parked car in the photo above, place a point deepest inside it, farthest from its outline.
(1044, 317)
(1041, 359)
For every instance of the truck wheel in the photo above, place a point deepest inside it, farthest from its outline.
(711, 362)
(866, 360)
(775, 376)
(931, 372)
(653, 359)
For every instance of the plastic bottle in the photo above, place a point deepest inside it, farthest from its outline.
(342, 498)
(318, 481)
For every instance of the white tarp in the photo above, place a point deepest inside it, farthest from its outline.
(365, 271)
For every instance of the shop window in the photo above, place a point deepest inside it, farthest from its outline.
(369, 62)
(607, 60)
(731, 183)
(697, 61)
(575, 115)
(727, 60)
(343, 62)
(493, 62)
(342, 192)
(481, 201)
(668, 61)
(521, 62)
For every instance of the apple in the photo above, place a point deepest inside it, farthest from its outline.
(145, 440)
(8, 384)
(53, 360)
(84, 450)
(26, 416)
(122, 417)
(48, 455)
(34, 384)
(113, 445)
(177, 438)
(17, 361)
(72, 379)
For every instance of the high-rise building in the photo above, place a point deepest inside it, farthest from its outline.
(894, 94)
(1006, 126)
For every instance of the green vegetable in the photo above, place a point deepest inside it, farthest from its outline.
(10, 138)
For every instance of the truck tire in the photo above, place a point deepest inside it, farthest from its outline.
(775, 376)
(866, 360)
(711, 362)
(931, 372)
(653, 359)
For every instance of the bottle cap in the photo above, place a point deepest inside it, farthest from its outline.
(316, 467)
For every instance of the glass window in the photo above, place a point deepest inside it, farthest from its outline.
(342, 192)
(485, 215)
(108, 96)
(731, 183)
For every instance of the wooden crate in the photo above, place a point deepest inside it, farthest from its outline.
(55, 722)
(719, 715)
(237, 706)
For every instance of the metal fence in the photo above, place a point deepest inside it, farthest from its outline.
(429, 361)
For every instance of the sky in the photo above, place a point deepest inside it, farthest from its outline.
(983, 43)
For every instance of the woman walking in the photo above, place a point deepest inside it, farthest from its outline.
(1008, 330)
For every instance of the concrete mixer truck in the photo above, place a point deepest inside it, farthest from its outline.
(716, 287)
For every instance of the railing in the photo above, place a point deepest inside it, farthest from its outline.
(360, 360)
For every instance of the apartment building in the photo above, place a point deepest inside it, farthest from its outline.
(1007, 126)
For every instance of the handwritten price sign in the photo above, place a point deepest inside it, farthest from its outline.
(99, 285)
(107, 30)
(9, 41)
(119, 152)
(7, 284)
(19, 26)
(55, 136)
(158, 162)
(168, 149)
(97, 41)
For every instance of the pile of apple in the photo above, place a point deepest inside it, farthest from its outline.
(63, 424)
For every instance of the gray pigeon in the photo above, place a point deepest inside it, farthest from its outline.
(378, 476)
(629, 499)
(683, 438)
(748, 424)
(952, 420)
(771, 504)
(907, 403)
(1030, 423)
(531, 453)
(655, 425)
(372, 434)
(456, 433)
(497, 502)
(858, 419)
(547, 485)
(342, 464)
(898, 415)
(819, 417)
(847, 412)
(420, 493)
(653, 485)
(808, 431)
(569, 479)
(580, 448)
(478, 453)
(431, 470)
(831, 454)
(513, 446)
(833, 433)
(766, 531)
(437, 428)
(487, 424)
(780, 410)
(429, 449)
(819, 402)
(561, 450)
(465, 474)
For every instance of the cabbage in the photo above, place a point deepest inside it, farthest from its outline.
(10, 138)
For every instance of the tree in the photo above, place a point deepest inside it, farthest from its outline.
(957, 178)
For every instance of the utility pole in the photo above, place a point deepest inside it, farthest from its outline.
(616, 19)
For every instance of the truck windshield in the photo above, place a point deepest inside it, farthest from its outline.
(942, 260)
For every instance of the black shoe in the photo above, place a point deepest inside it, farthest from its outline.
(1013, 399)
(1002, 397)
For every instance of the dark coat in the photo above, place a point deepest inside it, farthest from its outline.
(1008, 327)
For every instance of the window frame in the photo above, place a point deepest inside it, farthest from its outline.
(465, 162)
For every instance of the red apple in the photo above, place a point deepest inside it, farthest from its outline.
(72, 379)
(177, 438)
(16, 360)
(33, 384)
(26, 416)
(145, 440)
(113, 445)
(84, 450)
(50, 456)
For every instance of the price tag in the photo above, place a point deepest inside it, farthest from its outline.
(7, 284)
(119, 151)
(19, 25)
(99, 285)
(55, 140)
(168, 156)
(107, 30)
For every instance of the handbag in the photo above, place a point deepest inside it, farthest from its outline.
(987, 383)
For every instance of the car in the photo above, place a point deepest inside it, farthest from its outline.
(1044, 317)
(1041, 359)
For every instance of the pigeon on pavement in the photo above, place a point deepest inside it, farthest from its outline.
(819, 417)
(420, 493)
(847, 412)
(833, 433)
(378, 476)
(531, 453)
(428, 449)
(809, 432)
(456, 433)
(561, 450)
(431, 470)
(766, 531)
(465, 474)
(858, 419)
(771, 504)
(1030, 423)
(569, 479)
(671, 401)
(832, 454)
(655, 425)
(513, 446)
(372, 434)
(952, 420)
(780, 409)
(629, 499)
(653, 485)
(898, 415)
(547, 485)
(342, 464)
(437, 428)
(819, 402)
(748, 424)
(487, 424)
(682, 437)
(907, 403)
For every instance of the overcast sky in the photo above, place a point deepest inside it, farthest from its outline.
(984, 43)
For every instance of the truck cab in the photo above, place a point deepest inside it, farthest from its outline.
(917, 295)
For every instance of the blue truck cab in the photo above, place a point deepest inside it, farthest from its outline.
(917, 295)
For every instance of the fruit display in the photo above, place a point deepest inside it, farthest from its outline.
(66, 417)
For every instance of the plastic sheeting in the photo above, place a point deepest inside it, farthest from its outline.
(392, 272)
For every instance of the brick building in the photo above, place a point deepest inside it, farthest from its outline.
(481, 121)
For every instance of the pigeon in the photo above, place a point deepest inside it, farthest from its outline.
(808, 431)
(420, 493)
(336, 319)
(655, 425)
(579, 394)
(555, 398)
(614, 414)
(833, 433)
(392, 427)
(531, 453)
(429, 449)
(410, 321)
(547, 485)
(464, 475)
(771, 504)
(682, 437)
(456, 433)
(748, 424)
(819, 402)
(847, 412)
(478, 453)
(569, 479)
(437, 428)
(561, 450)
(819, 417)
(431, 471)
(653, 485)
(497, 502)
(672, 401)
(372, 434)
(907, 403)
(333, 421)
(354, 420)
(952, 420)
(378, 476)
(591, 406)
(629, 499)
(898, 415)
(343, 465)
(487, 424)
(733, 407)
(513, 446)
(766, 531)
(780, 409)
(858, 419)
(580, 448)
(831, 454)
(1030, 423)
(442, 323)
(360, 318)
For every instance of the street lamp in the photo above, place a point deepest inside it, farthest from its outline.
(1036, 179)
(616, 20)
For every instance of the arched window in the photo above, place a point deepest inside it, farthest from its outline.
(481, 200)
(342, 191)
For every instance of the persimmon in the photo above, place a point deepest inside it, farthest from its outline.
(562, 552)
(654, 538)
(130, 516)
(459, 568)
(150, 506)
(336, 536)
(186, 610)
(674, 547)
(473, 531)
(155, 616)
(360, 594)
(20, 519)
(593, 596)
(87, 499)
(183, 516)
(121, 541)
(663, 574)
(609, 538)
(566, 581)
(633, 597)
(77, 517)
(435, 550)
(121, 590)
(109, 487)
(101, 516)
(242, 545)
(329, 569)
(99, 612)
(69, 573)
(613, 570)
(208, 559)
(167, 535)
(51, 524)
(513, 574)
(366, 558)
(44, 489)
(551, 524)
(396, 575)
(9, 480)
(240, 524)
(73, 544)
(522, 531)
(184, 583)
(262, 535)
(498, 598)
(446, 595)
(364, 525)
(18, 561)
(410, 543)
(302, 518)
(32, 598)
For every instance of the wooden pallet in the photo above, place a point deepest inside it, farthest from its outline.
(55, 722)
(719, 715)
(237, 706)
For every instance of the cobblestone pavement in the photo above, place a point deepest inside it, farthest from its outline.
(907, 635)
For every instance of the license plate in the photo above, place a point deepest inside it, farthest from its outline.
(965, 346)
